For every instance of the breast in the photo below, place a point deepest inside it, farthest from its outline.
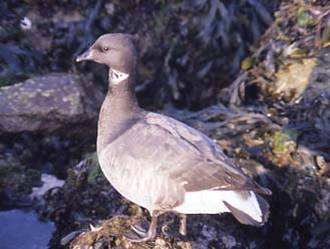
(126, 181)
(136, 181)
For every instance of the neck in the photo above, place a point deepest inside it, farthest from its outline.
(118, 111)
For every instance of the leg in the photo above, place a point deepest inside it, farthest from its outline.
(183, 225)
(141, 228)
(151, 234)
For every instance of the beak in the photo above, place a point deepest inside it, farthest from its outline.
(87, 55)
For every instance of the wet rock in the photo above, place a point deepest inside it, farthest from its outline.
(49, 182)
(283, 142)
(48, 103)
(85, 198)
(16, 182)
(311, 114)
(293, 80)
(229, 241)
(111, 235)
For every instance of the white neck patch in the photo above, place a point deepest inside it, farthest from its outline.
(116, 76)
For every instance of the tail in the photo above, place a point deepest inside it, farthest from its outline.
(253, 209)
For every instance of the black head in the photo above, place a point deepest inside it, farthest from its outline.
(117, 51)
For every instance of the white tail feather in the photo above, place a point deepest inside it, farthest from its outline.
(211, 202)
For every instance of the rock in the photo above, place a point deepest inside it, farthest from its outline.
(49, 182)
(293, 80)
(110, 234)
(48, 103)
(229, 241)
(16, 182)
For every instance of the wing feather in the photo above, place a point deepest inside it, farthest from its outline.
(209, 167)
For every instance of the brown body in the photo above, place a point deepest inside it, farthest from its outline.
(158, 162)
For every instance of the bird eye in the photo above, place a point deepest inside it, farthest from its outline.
(105, 49)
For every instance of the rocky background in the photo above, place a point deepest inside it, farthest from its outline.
(252, 74)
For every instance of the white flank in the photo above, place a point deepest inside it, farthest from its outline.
(211, 202)
(116, 76)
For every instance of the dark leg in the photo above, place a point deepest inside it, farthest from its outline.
(183, 225)
(141, 228)
(151, 234)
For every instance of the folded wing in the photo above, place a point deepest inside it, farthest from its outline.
(205, 167)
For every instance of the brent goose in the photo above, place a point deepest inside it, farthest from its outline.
(161, 163)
